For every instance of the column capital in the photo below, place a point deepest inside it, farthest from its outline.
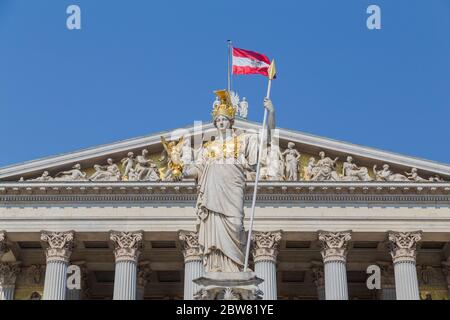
(127, 245)
(334, 245)
(59, 245)
(143, 274)
(8, 273)
(189, 245)
(265, 245)
(3, 243)
(402, 245)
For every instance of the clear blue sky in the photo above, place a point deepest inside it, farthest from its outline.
(140, 66)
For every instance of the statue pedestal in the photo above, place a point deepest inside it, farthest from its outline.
(228, 286)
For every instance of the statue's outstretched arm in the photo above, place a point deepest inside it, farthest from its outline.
(270, 117)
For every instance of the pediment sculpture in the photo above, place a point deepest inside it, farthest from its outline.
(277, 165)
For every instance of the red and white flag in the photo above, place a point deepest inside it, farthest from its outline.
(250, 62)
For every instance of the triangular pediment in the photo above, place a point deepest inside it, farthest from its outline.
(306, 144)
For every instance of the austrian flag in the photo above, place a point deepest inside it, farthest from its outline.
(250, 62)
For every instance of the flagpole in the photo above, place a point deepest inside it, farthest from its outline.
(258, 167)
(229, 65)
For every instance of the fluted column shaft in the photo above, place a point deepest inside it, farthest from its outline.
(58, 252)
(55, 280)
(193, 263)
(267, 270)
(193, 269)
(334, 254)
(128, 246)
(265, 252)
(335, 280)
(125, 280)
(406, 282)
(7, 292)
(403, 252)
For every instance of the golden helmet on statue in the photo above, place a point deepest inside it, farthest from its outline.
(224, 106)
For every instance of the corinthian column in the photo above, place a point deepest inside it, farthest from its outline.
(127, 248)
(8, 274)
(265, 252)
(59, 249)
(193, 266)
(334, 254)
(403, 251)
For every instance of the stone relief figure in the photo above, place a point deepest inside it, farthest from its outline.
(387, 175)
(414, 176)
(220, 171)
(308, 172)
(132, 175)
(436, 178)
(292, 157)
(240, 106)
(351, 172)
(145, 168)
(234, 98)
(44, 177)
(109, 172)
(272, 168)
(324, 169)
(71, 175)
(128, 164)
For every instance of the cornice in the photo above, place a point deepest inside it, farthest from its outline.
(169, 193)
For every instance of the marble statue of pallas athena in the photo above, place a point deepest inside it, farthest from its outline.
(221, 173)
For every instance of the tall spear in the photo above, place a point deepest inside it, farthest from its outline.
(271, 75)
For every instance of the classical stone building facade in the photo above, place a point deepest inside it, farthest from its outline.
(326, 210)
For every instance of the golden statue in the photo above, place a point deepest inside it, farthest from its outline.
(175, 164)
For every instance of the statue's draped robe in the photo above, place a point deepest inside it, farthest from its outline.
(324, 170)
(220, 203)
